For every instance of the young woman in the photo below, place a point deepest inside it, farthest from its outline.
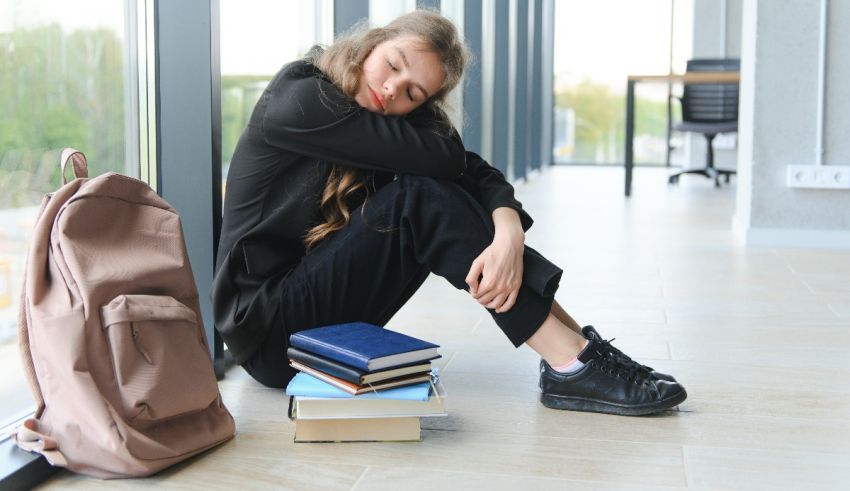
(349, 186)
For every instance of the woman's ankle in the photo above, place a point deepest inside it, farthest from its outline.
(555, 342)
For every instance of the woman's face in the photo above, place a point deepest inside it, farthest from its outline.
(398, 76)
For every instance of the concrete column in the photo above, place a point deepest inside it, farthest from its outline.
(778, 120)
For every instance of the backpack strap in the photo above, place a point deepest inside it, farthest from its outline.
(26, 353)
(30, 439)
(24, 337)
(78, 163)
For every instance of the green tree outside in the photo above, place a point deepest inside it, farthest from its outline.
(600, 121)
(57, 90)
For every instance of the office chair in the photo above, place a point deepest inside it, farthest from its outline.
(709, 109)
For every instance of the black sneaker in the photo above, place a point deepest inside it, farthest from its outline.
(607, 384)
(590, 333)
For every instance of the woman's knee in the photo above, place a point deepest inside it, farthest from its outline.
(436, 191)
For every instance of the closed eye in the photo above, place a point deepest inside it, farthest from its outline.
(389, 64)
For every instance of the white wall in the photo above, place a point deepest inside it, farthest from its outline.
(779, 84)
(711, 19)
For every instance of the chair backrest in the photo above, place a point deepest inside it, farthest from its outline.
(711, 103)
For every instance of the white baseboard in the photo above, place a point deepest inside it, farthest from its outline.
(799, 238)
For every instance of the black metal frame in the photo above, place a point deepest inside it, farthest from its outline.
(22, 470)
(630, 134)
(222, 359)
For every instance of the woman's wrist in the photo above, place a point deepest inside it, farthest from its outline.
(508, 225)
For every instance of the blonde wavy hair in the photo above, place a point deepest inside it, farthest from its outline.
(342, 63)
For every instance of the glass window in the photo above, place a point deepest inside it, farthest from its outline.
(65, 81)
(258, 37)
(382, 12)
(597, 45)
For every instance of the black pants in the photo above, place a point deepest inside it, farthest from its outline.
(367, 271)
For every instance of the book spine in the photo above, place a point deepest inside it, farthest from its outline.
(329, 351)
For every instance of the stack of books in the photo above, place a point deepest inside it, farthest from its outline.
(360, 382)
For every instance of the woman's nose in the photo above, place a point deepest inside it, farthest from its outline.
(390, 89)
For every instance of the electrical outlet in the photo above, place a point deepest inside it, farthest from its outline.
(818, 176)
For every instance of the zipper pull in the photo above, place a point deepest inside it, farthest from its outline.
(138, 344)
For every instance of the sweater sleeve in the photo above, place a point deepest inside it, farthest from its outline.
(490, 187)
(304, 113)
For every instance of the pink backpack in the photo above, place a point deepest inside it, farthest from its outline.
(111, 333)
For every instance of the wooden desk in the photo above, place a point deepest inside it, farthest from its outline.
(690, 78)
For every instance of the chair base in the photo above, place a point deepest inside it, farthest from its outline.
(709, 172)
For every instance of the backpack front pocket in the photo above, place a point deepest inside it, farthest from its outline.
(162, 365)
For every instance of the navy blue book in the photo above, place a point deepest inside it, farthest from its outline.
(364, 346)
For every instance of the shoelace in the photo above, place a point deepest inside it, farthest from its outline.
(629, 370)
(623, 357)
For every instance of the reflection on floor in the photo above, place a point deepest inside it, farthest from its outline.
(760, 338)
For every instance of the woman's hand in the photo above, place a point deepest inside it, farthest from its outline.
(496, 275)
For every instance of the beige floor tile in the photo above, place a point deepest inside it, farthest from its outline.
(744, 320)
(753, 308)
(225, 469)
(734, 468)
(828, 283)
(831, 407)
(700, 420)
(494, 362)
(727, 294)
(763, 354)
(831, 262)
(381, 478)
(601, 314)
(802, 380)
(484, 452)
(586, 300)
(759, 337)
(840, 309)
(579, 286)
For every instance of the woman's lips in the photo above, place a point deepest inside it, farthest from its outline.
(377, 100)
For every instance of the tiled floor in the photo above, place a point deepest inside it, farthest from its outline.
(760, 338)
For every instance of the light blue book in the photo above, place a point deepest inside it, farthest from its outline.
(304, 385)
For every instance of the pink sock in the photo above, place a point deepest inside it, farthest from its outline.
(571, 366)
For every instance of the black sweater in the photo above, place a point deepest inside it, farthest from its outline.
(301, 125)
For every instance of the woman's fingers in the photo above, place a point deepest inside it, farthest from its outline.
(485, 297)
(493, 277)
(509, 303)
(498, 297)
(497, 301)
(472, 277)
